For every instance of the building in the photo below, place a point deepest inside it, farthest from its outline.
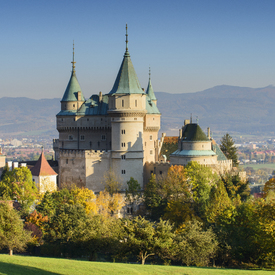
(117, 130)
(44, 176)
(194, 145)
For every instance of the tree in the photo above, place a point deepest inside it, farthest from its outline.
(229, 149)
(18, 184)
(145, 238)
(133, 191)
(235, 186)
(217, 203)
(195, 246)
(154, 201)
(112, 182)
(108, 205)
(201, 179)
(12, 234)
(269, 187)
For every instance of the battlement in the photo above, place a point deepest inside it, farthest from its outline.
(69, 153)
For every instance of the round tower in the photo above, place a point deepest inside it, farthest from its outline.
(127, 108)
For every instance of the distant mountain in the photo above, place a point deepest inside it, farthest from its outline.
(21, 115)
(222, 108)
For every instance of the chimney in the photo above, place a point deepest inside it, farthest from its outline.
(186, 121)
(15, 165)
(208, 133)
(100, 97)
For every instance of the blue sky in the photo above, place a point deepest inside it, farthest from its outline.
(189, 45)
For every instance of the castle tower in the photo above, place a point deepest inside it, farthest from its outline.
(150, 90)
(73, 97)
(127, 108)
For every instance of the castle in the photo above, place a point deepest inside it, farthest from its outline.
(118, 131)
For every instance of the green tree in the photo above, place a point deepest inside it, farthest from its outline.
(235, 186)
(145, 238)
(229, 149)
(155, 203)
(18, 184)
(195, 246)
(133, 191)
(201, 179)
(12, 234)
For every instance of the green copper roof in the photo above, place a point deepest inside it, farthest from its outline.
(218, 151)
(91, 107)
(193, 132)
(126, 81)
(72, 88)
(150, 91)
(151, 106)
(193, 153)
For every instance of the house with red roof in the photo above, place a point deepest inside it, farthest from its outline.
(43, 175)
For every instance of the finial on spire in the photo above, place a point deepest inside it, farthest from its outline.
(149, 72)
(73, 62)
(126, 38)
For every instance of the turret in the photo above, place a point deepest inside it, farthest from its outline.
(73, 97)
(150, 90)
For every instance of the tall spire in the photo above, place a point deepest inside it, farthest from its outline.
(126, 38)
(73, 62)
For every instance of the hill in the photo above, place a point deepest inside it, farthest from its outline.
(223, 108)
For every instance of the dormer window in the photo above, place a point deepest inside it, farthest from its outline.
(122, 103)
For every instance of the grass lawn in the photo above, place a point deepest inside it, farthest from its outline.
(26, 265)
(259, 166)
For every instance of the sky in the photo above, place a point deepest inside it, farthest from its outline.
(190, 45)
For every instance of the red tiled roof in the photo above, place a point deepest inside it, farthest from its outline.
(42, 167)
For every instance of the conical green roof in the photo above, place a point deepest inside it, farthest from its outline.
(193, 132)
(126, 81)
(72, 89)
(150, 91)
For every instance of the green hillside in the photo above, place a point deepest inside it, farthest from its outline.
(26, 265)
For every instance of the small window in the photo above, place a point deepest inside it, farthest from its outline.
(103, 137)
(202, 146)
(74, 105)
(82, 137)
(61, 119)
(122, 103)
(135, 118)
(123, 144)
(153, 118)
(67, 161)
(123, 157)
(151, 137)
(135, 103)
(151, 152)
(160, 172)
(122, 132)
(151, 172)
(123, 172)
(129, 210)
(71, 137)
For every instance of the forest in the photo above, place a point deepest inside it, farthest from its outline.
(190, 217)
